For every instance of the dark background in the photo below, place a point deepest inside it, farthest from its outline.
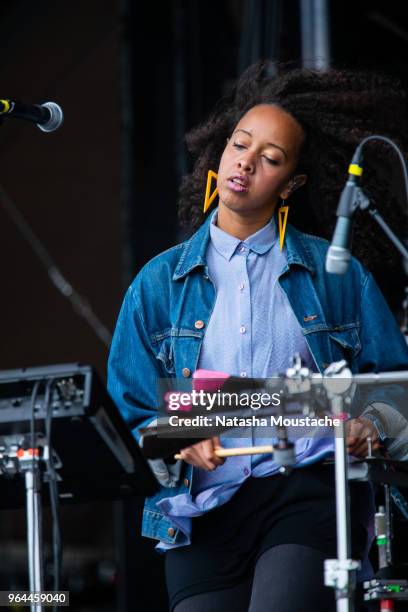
(100, 193)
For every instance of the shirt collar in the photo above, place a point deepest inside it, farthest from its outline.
(260, 242)
(298, 248)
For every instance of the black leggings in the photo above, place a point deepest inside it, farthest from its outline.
(287, 577)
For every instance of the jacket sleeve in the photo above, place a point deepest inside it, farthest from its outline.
(384, 349)
(133, 373)
(132, 367)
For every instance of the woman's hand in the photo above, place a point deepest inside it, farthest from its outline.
(358, 430)
(202, 454)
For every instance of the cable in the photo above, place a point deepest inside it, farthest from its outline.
(79, 303)
(398, 152)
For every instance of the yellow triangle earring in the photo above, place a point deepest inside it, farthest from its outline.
(283, 212)
(209, 199)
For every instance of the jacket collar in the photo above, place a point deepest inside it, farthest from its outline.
(298, 251)
(194, 250)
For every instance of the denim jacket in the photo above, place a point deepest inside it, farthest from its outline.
(166, 309)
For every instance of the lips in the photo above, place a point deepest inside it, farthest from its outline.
(239, 183)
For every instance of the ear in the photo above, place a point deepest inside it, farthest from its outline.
(297, 181)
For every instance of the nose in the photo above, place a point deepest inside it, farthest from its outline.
(246, 163)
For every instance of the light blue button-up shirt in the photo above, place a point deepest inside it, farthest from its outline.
(252, 332)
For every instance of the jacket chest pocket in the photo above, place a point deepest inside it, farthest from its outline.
(345, 343)
(178, 351)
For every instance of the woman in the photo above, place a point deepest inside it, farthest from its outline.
(236, 532)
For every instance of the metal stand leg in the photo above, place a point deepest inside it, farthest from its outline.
(34, 531)
(388, 514)
(340, 572)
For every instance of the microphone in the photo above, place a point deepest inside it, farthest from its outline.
(48, 116)
(339, 255)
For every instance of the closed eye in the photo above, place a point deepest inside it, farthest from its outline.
(271, 161)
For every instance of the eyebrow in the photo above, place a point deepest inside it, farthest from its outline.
(270, 144)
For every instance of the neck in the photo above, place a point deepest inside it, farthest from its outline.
(239, 225)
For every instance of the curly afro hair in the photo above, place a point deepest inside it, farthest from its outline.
(336, 109)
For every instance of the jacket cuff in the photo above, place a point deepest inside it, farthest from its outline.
(373, 417)
(167, 474)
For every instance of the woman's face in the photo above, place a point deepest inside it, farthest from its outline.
(259, 160)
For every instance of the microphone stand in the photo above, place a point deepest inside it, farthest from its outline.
(363, 203)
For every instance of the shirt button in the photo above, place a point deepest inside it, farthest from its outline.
(186, 372)
(246, 471)
(171, 532)
(186, 482)
(242, 329)
(241, 286)
(199, 324)
(243, 374)
(242, 249)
